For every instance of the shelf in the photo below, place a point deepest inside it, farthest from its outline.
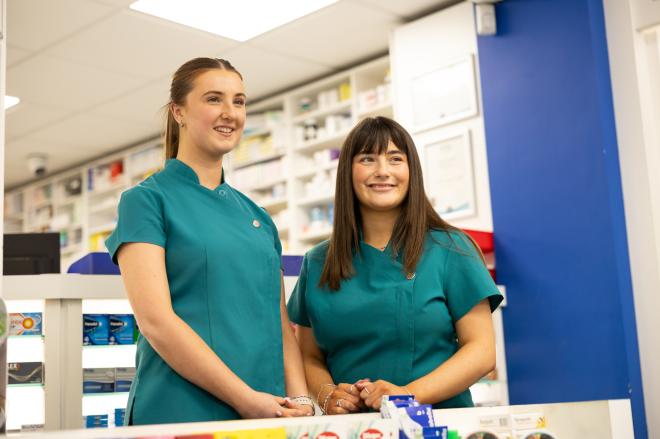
(317, 234)
(337, 108)
(98, 394)
(273, 204)
(26, 337)
(257, 160)
(266, 185)
(68, 201)
(108, 227)
(335, 140)
(313, 170)
(384, 109)
(256, 133)
(110, 346)
(316, 200)
(26, 385)
(75, 248)
(107, 189)
(110, 208)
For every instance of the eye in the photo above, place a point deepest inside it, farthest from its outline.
(239, 101)
(397, 159)
(365, 159)
(213, 99)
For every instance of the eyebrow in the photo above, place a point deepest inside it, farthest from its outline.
(223, 93)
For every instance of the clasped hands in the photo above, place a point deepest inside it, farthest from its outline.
(351, 398)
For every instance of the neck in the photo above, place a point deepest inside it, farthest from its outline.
(208, 169)
(377, 226)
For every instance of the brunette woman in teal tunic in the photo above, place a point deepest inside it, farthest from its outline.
(397, 301)
(201, 265)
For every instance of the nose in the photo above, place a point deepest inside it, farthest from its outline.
(382, 166)
(227, 112)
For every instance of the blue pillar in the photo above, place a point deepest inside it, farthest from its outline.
(558, 218)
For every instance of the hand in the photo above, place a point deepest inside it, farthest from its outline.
(307, 410)
(259, 405)
(371, 393)
(343, 399)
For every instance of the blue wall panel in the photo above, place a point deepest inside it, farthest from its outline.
(560, 238)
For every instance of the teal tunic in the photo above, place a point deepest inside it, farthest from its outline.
(383, 325)
(222, 255)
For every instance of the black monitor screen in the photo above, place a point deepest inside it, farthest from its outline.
(31, 253)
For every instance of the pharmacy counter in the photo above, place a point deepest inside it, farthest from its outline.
(594, 419)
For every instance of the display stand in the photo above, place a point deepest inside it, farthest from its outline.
(63, 295)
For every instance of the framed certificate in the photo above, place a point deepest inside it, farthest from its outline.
(444, 95)
(449, 176)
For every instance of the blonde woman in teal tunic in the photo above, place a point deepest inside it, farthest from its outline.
(397, 301)
(201, 266)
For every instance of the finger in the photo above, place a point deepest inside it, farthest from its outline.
(347, 405)
(291, 413)
(374, 396)
(334, 410)
(347, 396)
(349, 389)
(279, 400)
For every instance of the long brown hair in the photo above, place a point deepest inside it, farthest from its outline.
(182, 83)
(372, 136)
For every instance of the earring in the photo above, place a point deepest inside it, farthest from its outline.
(181, 124)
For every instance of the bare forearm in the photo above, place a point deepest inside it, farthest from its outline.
(294, 373)
(317, 376)
(471, 362)
(185, 352)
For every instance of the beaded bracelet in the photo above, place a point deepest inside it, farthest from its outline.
(304, 400)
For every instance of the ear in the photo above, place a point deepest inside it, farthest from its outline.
(177, 111)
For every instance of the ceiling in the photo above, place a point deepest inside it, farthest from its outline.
(92, 75)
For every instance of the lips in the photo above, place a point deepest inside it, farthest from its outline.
(381, 187)
(224, 130)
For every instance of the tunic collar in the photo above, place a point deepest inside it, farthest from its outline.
(176, 166)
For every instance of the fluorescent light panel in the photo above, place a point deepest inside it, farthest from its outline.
(238, 20)
(10, 101)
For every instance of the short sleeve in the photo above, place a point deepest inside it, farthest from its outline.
(276, 238)
(466, 279)
(140, 219)
(297, 306)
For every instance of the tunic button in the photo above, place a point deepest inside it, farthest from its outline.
(222, 192)
(411, 276)
(256, 223)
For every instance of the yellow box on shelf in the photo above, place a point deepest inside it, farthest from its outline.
(258, 433)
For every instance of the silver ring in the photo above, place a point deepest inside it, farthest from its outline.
(339, 403)
(367, 390)
(351, 388)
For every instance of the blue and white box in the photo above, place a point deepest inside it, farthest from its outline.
(122, 327)
(95, 329)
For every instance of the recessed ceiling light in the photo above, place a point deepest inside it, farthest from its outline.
(10, 101)
(239, 19)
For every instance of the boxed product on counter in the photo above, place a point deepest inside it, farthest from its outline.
(95, 329)
(25, 323)
(96, 421)
(123, 378)
(25, 373)
(122, 329)
(99, 380)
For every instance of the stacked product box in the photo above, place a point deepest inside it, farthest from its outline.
(108, 379)
(25, 323)
(109, 329)
(31, 372)
(96, 421)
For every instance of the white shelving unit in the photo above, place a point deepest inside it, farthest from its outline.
(286, 163)
(61, 298)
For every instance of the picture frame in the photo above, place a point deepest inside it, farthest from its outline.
(444, 95)
(449, 175)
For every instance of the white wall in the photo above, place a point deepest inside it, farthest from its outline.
(424, 46)
(635, 71)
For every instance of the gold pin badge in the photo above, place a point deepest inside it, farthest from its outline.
(256, 223)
